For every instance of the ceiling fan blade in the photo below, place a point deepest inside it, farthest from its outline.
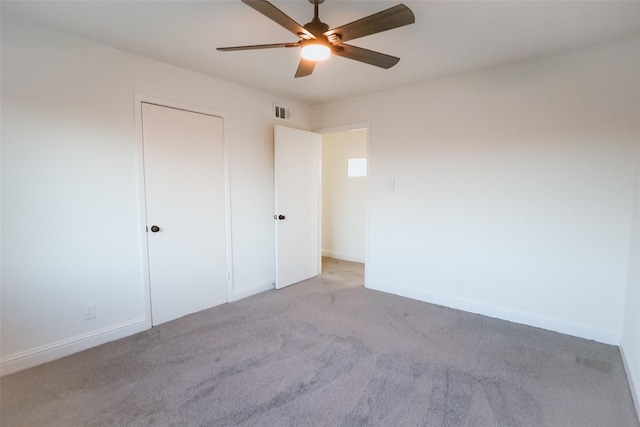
(258, 46)
(305, 68)
(387, 19)
(275, 14)
(365, 55)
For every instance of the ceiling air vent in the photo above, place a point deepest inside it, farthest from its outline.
(282, 113)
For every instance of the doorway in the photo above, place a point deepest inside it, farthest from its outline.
(311, 223)
(344, 199)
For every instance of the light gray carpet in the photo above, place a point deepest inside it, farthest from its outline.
(328, 352)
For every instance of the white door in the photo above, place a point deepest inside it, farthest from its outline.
(185, 201)
(297, 188)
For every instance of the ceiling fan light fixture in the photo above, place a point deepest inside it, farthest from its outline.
(315, 51)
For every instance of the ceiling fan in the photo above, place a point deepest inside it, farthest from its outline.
(318, 42)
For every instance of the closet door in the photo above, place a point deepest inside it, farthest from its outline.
(185, 204)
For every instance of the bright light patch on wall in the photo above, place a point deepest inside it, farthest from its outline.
(357, 167)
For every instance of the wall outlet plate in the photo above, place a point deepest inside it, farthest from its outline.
(89, 311)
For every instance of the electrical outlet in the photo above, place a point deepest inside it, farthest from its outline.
(460, 285)
(89, 311)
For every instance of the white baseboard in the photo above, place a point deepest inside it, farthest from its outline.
(46, 353)
(633, 375)
(251, 290)
(516, 316)
(49, 352)
(343, 256)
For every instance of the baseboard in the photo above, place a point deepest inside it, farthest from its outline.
(516, 316)
(251, 290)
(47, 353)
(633, 375)
(343, 256)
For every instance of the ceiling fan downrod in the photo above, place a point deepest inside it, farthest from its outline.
(316, 26)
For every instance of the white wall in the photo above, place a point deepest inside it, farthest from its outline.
(630, 342)
(344, 198)
(70, 221)
(514, 188)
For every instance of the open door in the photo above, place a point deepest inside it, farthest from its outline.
(297, 216)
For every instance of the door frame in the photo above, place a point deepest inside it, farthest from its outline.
(139, 99)
(347, 128)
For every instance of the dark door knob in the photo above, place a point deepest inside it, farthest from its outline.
(155, 228)
(281, 217)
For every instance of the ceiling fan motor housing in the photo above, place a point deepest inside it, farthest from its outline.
(317, 28)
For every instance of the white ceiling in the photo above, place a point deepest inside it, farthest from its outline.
(448, 37)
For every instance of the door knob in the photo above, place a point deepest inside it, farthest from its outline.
(281, 217)
(155, 228)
